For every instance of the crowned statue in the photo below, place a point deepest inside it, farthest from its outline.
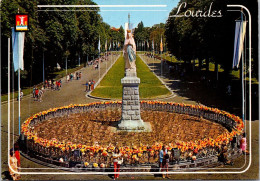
(129, 53)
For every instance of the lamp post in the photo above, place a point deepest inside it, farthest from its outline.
(66, 64)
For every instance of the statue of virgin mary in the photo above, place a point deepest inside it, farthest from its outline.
(129, 53)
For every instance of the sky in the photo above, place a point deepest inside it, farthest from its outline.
(117, 16)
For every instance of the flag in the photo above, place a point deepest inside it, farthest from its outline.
(161, 45)
(106, 46)
(147, 44)
(58, 66)
(118, 45)
(240, 32)
(153, 44)
(99, 45)
(18, 49)
(110, 46)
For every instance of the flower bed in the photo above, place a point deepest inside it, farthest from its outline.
(96, 155)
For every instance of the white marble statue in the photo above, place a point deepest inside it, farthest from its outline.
(129, 53)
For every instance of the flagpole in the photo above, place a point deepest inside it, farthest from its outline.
(242, 66)
(161, 55)
(43, 68)
(87, 60)
(106, 55)
(9, 80)
(250, 77)
(66, 65)
(19, 92)
(99, 58)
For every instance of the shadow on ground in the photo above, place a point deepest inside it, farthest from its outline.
(201, 86)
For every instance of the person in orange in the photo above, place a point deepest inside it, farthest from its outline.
(92, 85)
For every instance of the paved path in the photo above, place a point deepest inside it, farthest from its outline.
(172, 83)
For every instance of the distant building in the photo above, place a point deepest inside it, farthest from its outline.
(115, 29)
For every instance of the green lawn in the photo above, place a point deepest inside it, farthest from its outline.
(110, 86)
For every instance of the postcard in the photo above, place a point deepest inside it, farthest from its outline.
(141, 89)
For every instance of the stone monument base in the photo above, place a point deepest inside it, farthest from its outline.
(134, 126)
(131, 119)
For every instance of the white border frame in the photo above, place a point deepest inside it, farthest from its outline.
(135, 173)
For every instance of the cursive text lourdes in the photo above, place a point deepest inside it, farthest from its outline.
(207, 13)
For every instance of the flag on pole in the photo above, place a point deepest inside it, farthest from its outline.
(99, 45)
(240, 32)
(110, 46)
(161, 45)
(106, 46)
(18, 49)
(153, 44)
(58, 66)
(147, 44)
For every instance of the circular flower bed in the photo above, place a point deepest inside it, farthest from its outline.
(95, 153)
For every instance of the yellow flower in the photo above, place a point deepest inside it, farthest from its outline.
(95, 165)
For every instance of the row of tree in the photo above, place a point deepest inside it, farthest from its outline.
(146, 36)
(208, 38)
(203, 38)
(56, 34)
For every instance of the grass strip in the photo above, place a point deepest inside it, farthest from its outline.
(110, 86)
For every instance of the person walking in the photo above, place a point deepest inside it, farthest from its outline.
(92, 84)
(49, 83)
(13, 168)
(17, 154)
(80, 75)
(243, 144)
(89, 85)
(40, 94)
(36, 94)
(87, 89)
(116, 157)
(163, 158)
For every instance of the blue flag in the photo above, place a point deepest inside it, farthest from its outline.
(18, 49)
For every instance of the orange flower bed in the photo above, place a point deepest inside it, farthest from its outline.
(137, 149)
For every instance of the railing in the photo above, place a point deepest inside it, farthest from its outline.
(69, 156)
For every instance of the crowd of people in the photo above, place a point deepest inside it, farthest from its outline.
(95, 62)
(38, 94)
(74, 76)
(52, 84)
(164, 158)
(90, 85)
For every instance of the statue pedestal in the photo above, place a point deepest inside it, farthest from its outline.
(131, 119)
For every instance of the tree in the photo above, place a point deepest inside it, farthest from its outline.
(203, 38)
(59, 35)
